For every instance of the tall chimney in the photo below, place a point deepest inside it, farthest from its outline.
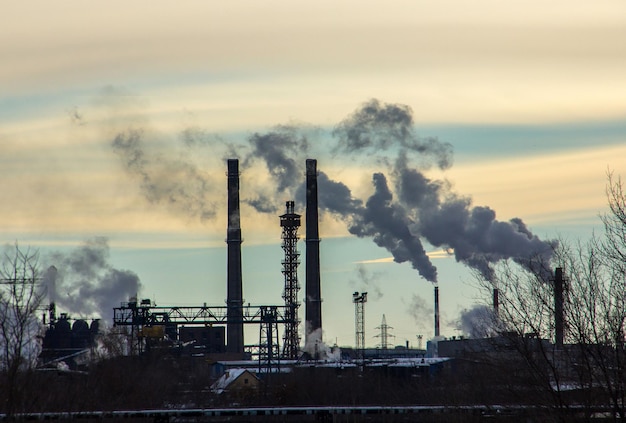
(313, 300)
(436, 311)
(558, 307)
(496, 301)
(234, 301)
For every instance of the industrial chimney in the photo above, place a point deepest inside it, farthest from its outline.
(437, 311)
(234, 301)
(496, 302)
(558, 307)
(313, 300)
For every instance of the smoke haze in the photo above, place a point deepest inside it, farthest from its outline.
(84, 283)
(477, 322)
(421, 311)
(405, 209)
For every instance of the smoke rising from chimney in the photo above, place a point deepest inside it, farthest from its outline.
(176, 182)
(405, 209)
(478, 322)
(376, 127)
(421, 311)
(84, 283)
(388, 225)
(369, 282)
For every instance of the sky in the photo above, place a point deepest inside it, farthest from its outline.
(116, 121)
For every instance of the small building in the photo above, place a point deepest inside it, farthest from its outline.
(212, 339)
(238, 381)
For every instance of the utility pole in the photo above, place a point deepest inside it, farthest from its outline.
(384, 334)
(419, 341)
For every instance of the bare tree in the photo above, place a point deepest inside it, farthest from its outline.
(20, 299)
(589, 367)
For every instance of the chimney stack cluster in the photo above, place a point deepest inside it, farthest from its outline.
(313, 301)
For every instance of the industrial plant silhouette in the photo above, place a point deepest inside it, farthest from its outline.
(196, 360)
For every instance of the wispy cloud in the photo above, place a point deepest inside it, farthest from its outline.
(437, 254)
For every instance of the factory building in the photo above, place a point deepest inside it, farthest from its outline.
(67, 343)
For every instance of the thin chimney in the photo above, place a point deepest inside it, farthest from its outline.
(234, 301)
(313, 300)
(437, 311)
(496, 301)
(558, 308)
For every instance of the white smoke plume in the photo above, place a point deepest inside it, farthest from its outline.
(84, 284)
(421, 311)
(315, 348)
(368, 282)
(477, 322)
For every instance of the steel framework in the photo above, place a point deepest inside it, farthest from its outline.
(290, 222)
(133, 314)
(142, 315)
(384, 334)
(269, 349)
(359, 301)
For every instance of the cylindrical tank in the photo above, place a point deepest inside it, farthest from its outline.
(81, 335)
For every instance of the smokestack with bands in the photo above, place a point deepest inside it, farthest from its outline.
(234, 301)
(436, 311)
(558, 307)
(313, 300)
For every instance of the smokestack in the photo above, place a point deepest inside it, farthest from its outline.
(558, 307)
(234, 301)
(313, 300)
(496, 301)
(436, 311)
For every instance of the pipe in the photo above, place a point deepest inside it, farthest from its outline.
(234, 301)
(313, 300)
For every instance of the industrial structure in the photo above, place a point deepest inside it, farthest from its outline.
(558, 282)
(437, 333)
(234, 299)
(359, 300)
(67, 342)
(384, 334)
(290, 222)
(313, 296)
(204, 325)
(219, 330)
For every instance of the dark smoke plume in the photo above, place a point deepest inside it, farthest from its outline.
(333, 197)
(175, 182)
(405, 209)
(84, 283)
(280, 150)
(376, 127)
(388, 225)
(426, 208)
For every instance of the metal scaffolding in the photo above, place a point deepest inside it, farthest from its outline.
(290, 222)
(144, 317)
(359, 301)
(269, 349)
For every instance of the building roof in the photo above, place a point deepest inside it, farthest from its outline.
(228, 378)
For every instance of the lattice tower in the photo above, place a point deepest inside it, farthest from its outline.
(359, 301)
(290, 222)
